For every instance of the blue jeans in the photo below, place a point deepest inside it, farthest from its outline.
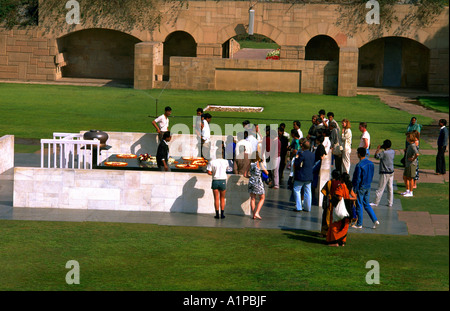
(306, 185)
(362, 201)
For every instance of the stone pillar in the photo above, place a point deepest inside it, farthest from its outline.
(292, 52)
(348, 71)
(147, 60)
(438, 71)
(209, 50)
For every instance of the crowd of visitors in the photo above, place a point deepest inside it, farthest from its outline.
(319, 166)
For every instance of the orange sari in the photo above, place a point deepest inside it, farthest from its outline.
(327, 191)
(337, 231)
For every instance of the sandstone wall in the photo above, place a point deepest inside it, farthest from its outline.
(319, 77)
(32, 55)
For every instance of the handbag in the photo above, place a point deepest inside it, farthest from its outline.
(337, 149)
(264, 177)
(340, 211)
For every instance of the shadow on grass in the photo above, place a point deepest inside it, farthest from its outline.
(304, 236)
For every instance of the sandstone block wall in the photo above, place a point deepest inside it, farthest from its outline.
(319, 77)
(26, 56)
(438, 72)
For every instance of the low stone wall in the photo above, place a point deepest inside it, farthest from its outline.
(304, 76)
(125, 190)
(6, 153)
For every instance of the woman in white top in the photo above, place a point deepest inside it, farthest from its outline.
(346, 140)
(217, 168)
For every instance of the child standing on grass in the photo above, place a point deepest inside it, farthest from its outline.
(410, 165)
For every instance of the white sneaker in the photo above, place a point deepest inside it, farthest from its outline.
(373, 204)
(409, 194)
(403, 193)
(376, 224)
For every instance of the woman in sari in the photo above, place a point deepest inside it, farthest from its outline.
(350, 203)
(337, 231)
(328, 191)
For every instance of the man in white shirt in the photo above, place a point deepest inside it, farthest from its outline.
(322, 116)
(161, 123)
(297, 125)
(206, 136)
(365, 137)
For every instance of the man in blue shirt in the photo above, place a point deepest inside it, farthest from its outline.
(303, 176)
(362, 179)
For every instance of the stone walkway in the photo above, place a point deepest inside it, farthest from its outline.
(419, 223)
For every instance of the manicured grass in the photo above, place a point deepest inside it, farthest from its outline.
(151, 257)
(36, 111)
(437, 103)
(432, 198)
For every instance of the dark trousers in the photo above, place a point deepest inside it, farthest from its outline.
(440, 160)
(282, 166)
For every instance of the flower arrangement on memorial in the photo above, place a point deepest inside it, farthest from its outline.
(274, 54)
(152, 159)
(146, 158)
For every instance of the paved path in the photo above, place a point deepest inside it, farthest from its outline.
(278, 213)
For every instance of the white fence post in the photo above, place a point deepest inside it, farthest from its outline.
(69, 155)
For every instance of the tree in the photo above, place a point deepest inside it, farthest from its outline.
(123, 14)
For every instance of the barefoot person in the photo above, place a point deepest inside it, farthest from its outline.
(256, 186)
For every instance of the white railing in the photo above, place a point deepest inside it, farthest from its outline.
(68, 150)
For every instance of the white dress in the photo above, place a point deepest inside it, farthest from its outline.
(324, 173)
(347, 149)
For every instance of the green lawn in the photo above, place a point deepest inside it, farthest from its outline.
(36, 111)
(437, 103)
(432, 198)
(151, 257)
